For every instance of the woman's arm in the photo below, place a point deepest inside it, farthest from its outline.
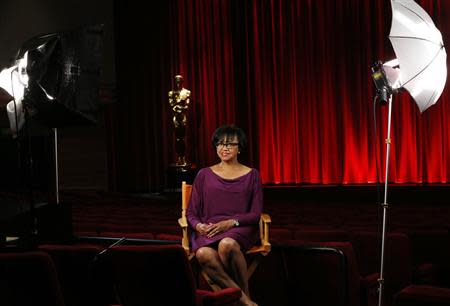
(193, 213)
(256, 205)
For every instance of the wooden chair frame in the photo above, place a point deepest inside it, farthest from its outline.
(262, 249)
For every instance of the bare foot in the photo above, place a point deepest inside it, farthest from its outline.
(246, 301)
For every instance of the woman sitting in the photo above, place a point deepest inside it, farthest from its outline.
(225, 207)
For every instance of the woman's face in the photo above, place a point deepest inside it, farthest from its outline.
(228, 148)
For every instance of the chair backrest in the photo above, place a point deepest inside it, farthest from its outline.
(84, 279)
(186, 190)
(152, 275)
(397, 259)
(321, 273)
(29, 278)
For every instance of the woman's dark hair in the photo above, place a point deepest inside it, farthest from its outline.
(227, 132)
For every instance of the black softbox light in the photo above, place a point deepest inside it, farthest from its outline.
(63, 70)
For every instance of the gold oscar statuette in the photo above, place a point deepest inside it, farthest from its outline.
(179, 103)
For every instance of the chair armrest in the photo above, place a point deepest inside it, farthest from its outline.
(227, 296)
(266, 218)
(185, 240)
(182, 222)
(264, 222)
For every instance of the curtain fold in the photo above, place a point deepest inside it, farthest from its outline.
(294, 74)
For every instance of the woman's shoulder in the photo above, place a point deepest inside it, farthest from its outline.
(254, 171)
(256, 174)
(203, 172)
(251, 173)
(200, 177)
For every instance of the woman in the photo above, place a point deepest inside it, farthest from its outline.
(224, 211)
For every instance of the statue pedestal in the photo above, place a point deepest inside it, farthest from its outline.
(179, 173)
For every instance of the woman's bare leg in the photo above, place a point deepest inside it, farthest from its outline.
(234, 261)
(212, 264)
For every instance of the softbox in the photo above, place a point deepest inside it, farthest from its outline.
(64, 72)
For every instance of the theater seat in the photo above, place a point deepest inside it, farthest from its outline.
(397, 264)
(160, 275)
(321, 273)
(422, 295)
(83, 279)
(28, 278)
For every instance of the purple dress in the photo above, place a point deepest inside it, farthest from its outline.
(214, 199)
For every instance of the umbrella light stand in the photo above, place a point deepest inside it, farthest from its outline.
(420, 68)
(385, 205)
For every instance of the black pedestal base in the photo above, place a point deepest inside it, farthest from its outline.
(177, 174)
(46, 223)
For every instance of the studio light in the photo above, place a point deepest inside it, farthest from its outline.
(14, 81)
(386, 78)
(383, 88)
(54, 81)
(420, 68)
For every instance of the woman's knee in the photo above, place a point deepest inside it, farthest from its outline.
(228, 246)
(205, 255)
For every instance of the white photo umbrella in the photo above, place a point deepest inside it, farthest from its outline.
(420, 52)
(421, 59)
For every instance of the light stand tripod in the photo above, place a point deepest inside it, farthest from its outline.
(55, 147)
(25, 152)
(385, 205)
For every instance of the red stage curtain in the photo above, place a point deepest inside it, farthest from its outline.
(296, 76)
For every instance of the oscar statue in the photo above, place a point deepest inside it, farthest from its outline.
(179, 102)
(181, 169)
